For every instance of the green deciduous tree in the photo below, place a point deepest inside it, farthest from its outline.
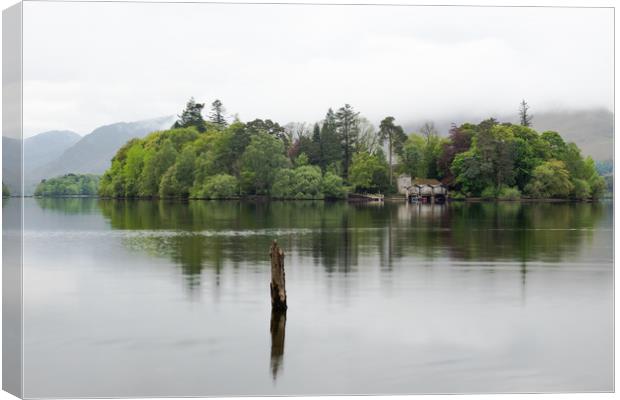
(304, 182)
(261, 159)
(333, 186)
(220, 186)
(133, 169)
(412, 157)
(369, 173)
(550, 180)
(68, 185)
(156, 163)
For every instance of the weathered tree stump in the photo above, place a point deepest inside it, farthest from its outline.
(278, 288)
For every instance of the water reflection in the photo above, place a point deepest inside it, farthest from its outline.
(77, 205)
(277, 329)
(524, 292)
(198, 235)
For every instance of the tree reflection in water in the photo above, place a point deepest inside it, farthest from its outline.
(215, 235)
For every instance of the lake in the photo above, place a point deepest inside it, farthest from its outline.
(155, 298)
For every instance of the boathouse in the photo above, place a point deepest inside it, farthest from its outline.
(422, 190)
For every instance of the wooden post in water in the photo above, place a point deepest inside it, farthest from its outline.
(278, 289)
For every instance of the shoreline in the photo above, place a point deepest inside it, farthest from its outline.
(262, 199)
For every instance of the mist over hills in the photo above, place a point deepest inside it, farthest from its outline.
(591, 129)
(56, 153)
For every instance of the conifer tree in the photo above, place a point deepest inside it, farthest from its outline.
(524, 117)
(217, 115)
(347, 129)
(331, 150)
(395, 136)
(191, 116)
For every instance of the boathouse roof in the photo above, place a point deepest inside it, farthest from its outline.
(422, 182)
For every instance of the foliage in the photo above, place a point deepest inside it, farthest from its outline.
(509, 193)
(421, 152)
(268, 126)
(333, 186)
(5, 190)
(217, 114)
(369, 173)
(394, 136)
(330, 149)
(347, 128)
(470, 172)
(524, 118)
(191, 116)
(598, 185)
(459, 141)
(212, 159)
(581, 190)
(220, 186)
(550, 180)
(303, 182)
(263, 157)
(506, 155)
(412, 157)
(178, 179)
(458, 196)
(488, 193)
(68, 185)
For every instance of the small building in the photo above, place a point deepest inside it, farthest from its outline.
(422, 190)
(403, 182)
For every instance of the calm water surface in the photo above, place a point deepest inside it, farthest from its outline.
(141, 298)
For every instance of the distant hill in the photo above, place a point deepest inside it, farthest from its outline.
(38, 150)
(92, 153)
(47, 146)
(591, 129)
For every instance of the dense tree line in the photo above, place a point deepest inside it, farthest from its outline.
(502, 160)
(69, 185)
(212, 158)
(215, 158)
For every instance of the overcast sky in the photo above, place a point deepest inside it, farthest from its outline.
(86, 65)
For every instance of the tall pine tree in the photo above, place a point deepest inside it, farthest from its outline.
(217, 114)
(331, 150)
(347, 129)
(191, 116)
(525, 119)
(395, 137)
